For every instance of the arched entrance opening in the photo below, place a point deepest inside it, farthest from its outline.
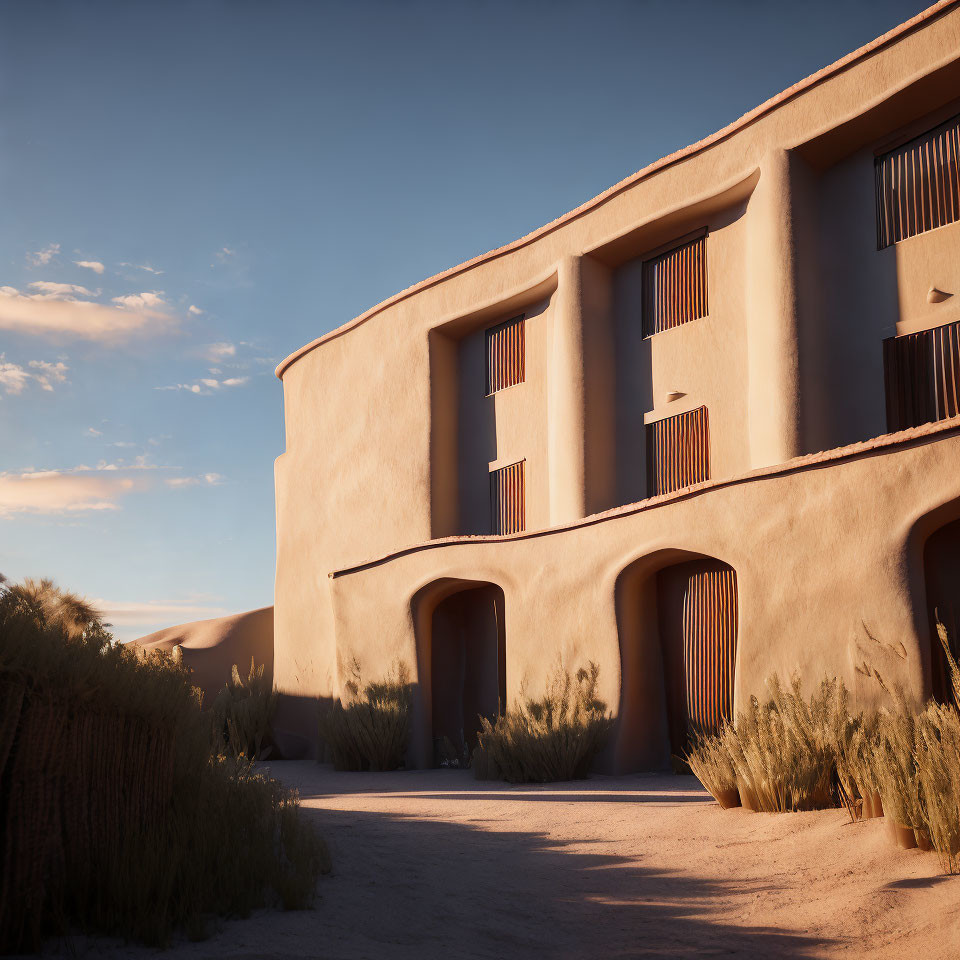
(677, 617)
(462, 650)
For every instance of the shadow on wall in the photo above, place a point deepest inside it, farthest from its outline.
(677, 623)
(505, 894)
(933, 572)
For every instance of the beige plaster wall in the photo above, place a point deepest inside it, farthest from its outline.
(371, 409)
(815, 572)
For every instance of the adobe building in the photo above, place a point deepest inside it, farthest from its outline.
(700, 429)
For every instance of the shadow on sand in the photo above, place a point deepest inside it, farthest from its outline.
(405, 886)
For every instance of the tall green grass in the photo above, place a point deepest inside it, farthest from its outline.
(115, 815)
(371, 730)
(552, 738)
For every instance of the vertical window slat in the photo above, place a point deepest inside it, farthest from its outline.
(674, 287)
(508, 499)
(506, 346)
(916, 185)
(678, 452)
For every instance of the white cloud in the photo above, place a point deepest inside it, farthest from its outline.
(47, 374)
(196, 311)
(224, 254)
(59, 291)
(95, 265)
(215, 352)
(149, 298)
(94, 432)
(41, 258)
(206, 386)
(55, 313)
(63, 491)
(13, 377)
(204, 479)
(142, 266)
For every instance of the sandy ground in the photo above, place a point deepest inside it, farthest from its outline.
(433, 864)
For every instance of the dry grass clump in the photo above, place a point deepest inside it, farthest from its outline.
(937, 759)
(372, 731)
(712, 765)
(241, 714)
(553, 738)
(782, 750)
(114, 816)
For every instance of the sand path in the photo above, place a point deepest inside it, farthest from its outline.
(433, 864)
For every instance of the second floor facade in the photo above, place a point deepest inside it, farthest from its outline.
(789, 285)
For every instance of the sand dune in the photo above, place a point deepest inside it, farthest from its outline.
(432, 864)
(212, 647)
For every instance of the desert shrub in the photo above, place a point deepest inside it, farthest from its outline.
(555, 737)
(371, 731)
(711, 763)
(782, 750)
(114, 816)
(937, 759)
(241, 714)
(951, 663)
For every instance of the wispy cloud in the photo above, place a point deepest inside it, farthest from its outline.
(40, 258)
(60, 291)
(80, 490)
(136, 613)
(224, 254)
(206, 386)
(95, 265)
(85, 489)
(94, 432)
(196, 311)
(13, 377)
(142, 266)
(215, 352)
(204, 480)
(59, 313)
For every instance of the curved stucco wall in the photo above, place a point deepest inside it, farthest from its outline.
(369, 464)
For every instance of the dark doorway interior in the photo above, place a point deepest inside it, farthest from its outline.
(468, 667)
(697, 612)
(941, 567)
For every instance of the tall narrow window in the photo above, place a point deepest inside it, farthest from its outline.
(922, 376)
(675, 287)
(505, 355)
(508, 499)
(918, 185)
(678, 452)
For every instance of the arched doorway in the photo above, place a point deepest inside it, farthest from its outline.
(677, 618)
(941, 569)
(463, 649)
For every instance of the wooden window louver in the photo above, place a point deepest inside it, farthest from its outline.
(508, 499)
(918, 185)
(675, 287)
(678, 452)
(505, 355)
(922, 376)
(710, 646)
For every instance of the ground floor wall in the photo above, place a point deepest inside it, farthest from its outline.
(828, 558)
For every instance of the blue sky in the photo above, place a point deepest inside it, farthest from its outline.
(191, 191)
